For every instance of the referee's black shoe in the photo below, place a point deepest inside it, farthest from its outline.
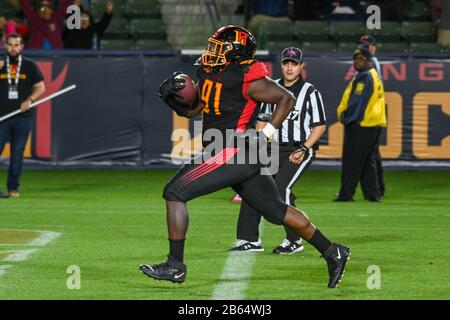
(247, 246)
(3, 196)
(336, 256)
(171, 270)
(289, 247)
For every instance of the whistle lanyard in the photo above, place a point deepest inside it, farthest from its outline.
(19, 66)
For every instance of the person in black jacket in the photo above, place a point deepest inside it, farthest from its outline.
(84, 38)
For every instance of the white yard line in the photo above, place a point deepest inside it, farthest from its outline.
(45, 238)
(19, 255)
(235, 274)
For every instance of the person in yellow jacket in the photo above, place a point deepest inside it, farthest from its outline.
(362, 111)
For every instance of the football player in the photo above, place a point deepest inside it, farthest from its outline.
(231, 83)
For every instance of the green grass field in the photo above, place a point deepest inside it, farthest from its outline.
(113, 220)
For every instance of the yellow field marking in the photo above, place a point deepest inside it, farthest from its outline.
(3, 255)
(22, 238)
(12, 237)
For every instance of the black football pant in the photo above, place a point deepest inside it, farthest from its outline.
(359, 161)
(287, 175)
(259, 191)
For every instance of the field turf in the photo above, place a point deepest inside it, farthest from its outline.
(113, 220)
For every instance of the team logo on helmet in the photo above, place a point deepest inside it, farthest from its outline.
(228, 44)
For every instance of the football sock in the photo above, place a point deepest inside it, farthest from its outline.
(319, 241)
(176, 249)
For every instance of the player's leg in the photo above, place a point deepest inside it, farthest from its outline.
(190, 182)
(260, 193)
(286, 178)
(19, 135)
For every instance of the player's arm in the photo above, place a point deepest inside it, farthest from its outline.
(267, 90)
(168, 90)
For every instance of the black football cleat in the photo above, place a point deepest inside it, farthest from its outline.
(171, 270)
(336, 256)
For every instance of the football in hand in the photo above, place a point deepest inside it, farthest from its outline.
(189, 92)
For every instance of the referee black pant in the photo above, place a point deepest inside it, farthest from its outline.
(287, 175)
(359, 161)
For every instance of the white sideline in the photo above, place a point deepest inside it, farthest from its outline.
(19, 255)
(45, 238)
(235, 274)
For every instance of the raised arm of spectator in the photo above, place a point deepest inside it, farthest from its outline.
(29, 12)
(103, 24)
(61, 11)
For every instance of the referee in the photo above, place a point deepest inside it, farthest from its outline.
(302, 129)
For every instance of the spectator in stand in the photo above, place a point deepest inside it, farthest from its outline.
(46, 24)
(84, 37)
(343, 9)
(267, 10)
(392, 10)
(436, 10)
(307, 9)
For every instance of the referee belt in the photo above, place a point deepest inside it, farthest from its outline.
(295, 144)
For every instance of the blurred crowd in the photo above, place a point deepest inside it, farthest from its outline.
(43, 23)
(391, 10)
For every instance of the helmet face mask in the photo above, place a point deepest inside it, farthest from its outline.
(228, 44)
(215, 54)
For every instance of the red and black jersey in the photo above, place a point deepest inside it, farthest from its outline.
(225, 99)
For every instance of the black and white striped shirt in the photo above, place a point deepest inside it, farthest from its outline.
(307, 113)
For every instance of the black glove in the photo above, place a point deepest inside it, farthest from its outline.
(170, 86)
(168, 90)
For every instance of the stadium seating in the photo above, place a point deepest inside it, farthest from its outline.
(311, 30)
(145, 44)
(417, 11)
(275, 46)
(389, 32)
(273, 32)
(426, 47)
(345, 30)
(117, 29)
(143, 9)
(419, 31)
(117, 44)
(400, 47)
(147, 28)
(347, 46)
(319, 46)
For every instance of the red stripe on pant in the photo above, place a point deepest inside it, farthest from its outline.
(211, 164)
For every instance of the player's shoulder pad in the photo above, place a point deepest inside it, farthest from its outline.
(255, 71)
